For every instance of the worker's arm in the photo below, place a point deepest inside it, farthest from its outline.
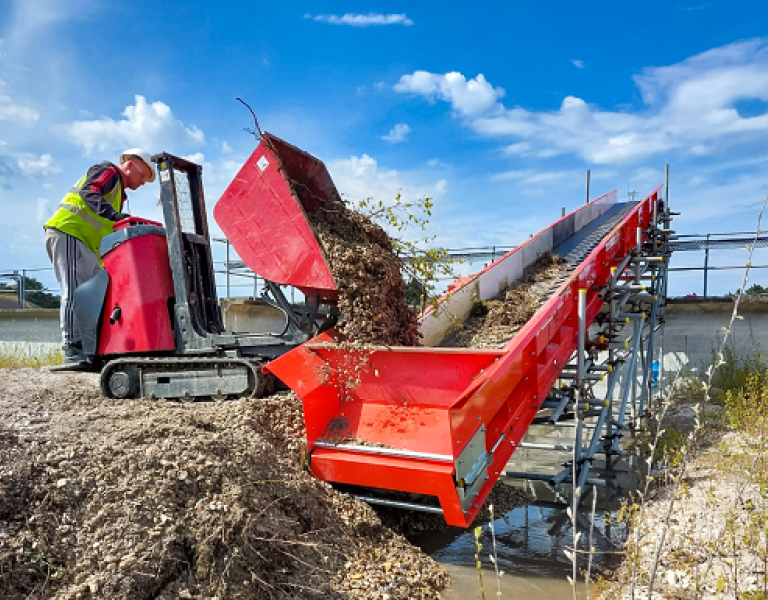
(101, 180)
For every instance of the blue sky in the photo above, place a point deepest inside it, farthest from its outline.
(495, 109)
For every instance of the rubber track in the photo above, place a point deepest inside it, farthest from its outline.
(177, 364)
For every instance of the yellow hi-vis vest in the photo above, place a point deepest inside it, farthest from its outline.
(75, 217)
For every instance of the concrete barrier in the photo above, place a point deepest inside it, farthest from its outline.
(29, 332)
(694, 330)
(36, 332)
(246, 315)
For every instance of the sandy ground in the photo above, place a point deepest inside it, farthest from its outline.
(156, 499)
(699, 558)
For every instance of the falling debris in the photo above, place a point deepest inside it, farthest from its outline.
(367, 274)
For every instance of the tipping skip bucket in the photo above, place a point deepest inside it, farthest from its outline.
(264, 211)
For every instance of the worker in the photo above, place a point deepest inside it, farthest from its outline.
(85, 216)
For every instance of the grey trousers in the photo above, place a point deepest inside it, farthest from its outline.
(73, 264)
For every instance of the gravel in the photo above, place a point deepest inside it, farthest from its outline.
(698, 558)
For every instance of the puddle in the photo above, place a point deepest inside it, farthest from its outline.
(530, 544)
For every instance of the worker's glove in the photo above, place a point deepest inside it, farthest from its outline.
(121, 216)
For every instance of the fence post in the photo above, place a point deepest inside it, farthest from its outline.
(228, 294)
(706, 264)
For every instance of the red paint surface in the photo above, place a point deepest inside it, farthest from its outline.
(263, 214)
(140, 283)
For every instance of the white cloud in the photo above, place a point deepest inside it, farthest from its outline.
(579, 64)
(197, 158)
(530, 176)
(468, 98)
(149, 126)
(359, 20)
(7, 170)
(693, 7)
(646, 178)
(690, 106)
(10, 111)
(28, 19)
(360, 177)
(31, 166)
(226, 148)
(518, 148)
(397, 134)
(42, 210)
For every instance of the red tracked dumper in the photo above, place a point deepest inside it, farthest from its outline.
(150, 320)
(422, 428)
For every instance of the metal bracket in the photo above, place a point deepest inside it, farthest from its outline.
(472, 468)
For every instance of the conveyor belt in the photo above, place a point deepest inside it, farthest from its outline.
(575, 250)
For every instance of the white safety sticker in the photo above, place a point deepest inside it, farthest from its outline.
(164, 176)
(263, 163)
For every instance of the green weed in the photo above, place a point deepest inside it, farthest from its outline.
(15, 357)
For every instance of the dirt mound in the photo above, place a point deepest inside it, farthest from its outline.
(153, 499)
(492, 323)
(367, 273)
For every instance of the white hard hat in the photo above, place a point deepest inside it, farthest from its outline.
(143, 155)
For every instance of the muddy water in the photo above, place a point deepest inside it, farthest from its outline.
(530, 544)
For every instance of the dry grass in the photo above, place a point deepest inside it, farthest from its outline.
(16, 356)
